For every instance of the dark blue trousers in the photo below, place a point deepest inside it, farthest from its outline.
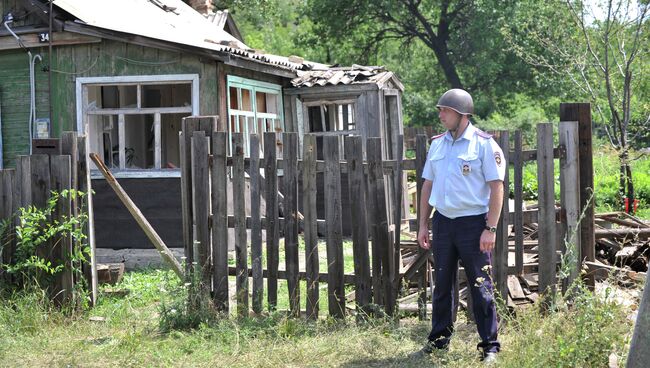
(455, 239)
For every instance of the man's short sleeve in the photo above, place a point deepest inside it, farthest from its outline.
(427, 172)
(494, 164)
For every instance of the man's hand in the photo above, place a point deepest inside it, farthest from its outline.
(423, 238)
(488, 239)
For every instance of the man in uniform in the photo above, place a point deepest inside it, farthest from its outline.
(463, 181)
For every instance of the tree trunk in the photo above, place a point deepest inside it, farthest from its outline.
(448, 67)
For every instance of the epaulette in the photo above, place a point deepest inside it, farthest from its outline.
(483, 134)
(438, 136)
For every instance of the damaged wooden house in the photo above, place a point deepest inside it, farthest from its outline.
(126, 72)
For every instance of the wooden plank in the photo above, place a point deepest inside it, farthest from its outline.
(357, 190)
(519, 203)
(377, 195)
(219, 197)
(310, 225)
(348, 279)
(570, 194)
(201, 208)
(84, 184)
(546, 193)
(271, 222)
(59, 39)
(420, 158)
(500, 260)
(640, 345)
(256, 225)
(581, 112)
(396, 255)
(333, 218)
(6, 221)
(241, 246)
(61, 174)
(165, 253)
(40, 193)
(514, 288)
(290, 156)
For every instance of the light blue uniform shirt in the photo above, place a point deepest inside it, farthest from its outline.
(460, 171)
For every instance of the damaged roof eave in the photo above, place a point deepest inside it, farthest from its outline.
(225, 57)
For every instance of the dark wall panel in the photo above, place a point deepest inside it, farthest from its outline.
(159, 200)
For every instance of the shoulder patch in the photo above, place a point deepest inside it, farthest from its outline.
(483, 134)
(438, 136)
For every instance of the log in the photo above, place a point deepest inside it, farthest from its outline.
(153, 236)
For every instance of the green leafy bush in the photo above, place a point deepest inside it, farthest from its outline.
(35, 233)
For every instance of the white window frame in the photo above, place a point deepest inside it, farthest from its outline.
(253, 86)
(83, 112)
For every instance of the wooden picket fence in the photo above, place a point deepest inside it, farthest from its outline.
(376, 233)
(55, 165)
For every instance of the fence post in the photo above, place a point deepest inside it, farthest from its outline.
(310, 223)
(335, 286)
(581, 112)
(420, 160)
(241, 245)
(357, 191)
(290, 160)
(501, 247)
(256, 225)
(570, 194)
(40, 192)
(547, 227)
(397, 217)
(220, 220)
(272, 223)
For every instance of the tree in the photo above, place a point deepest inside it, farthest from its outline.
(602, 48)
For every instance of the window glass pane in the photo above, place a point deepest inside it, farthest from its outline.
(103, 139)
(115, 97)
(139, 141)
(170, 126)
(234, 102)
(166, 95)
(260, 102)
(246, 100)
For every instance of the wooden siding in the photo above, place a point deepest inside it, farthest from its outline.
(14, 99)
(113, 58)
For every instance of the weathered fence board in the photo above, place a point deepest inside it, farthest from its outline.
(310, 228)
(241, 244)
(61, 252)
(546, 190)
(256, 225)
(334, 239)
(570, 194)
(357, 190)
(201, 208)
(518, 172)
(272, 225)
(420, 159)
(290, 155)
(219, 197)
(500, 261)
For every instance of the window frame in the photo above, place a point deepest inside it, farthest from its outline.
(253, 86)
(83, 112)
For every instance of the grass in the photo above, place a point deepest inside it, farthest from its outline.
(130, 334)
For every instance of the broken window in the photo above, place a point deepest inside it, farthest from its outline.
(254, 107)
(135, 126)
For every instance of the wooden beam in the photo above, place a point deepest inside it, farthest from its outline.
(153, 236)
(59, 39)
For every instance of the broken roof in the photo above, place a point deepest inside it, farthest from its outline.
(171, 21)
(356, 74)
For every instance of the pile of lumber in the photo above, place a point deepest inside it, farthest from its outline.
(622, 240)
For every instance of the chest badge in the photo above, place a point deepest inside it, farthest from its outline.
(466, 168)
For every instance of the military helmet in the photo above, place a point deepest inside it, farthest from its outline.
(458, 100)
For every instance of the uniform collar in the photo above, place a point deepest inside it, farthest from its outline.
(467, 134)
